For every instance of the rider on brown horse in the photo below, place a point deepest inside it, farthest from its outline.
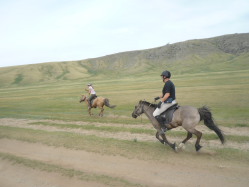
(92, 94)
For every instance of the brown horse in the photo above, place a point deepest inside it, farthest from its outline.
(186, 116)
(99, 102)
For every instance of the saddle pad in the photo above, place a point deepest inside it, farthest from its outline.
(168, 114)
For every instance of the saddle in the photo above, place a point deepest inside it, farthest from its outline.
(168, 114)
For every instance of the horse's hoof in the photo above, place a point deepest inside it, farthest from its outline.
(162, 142)
(173, 146)
(176, 149)
(198, 147)
(181, 146)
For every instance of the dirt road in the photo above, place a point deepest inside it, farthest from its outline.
(175, 171)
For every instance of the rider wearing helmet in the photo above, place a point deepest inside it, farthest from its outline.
(168, 97)
(92, 94)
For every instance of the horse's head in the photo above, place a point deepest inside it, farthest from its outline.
(83, 98)
(138, 110)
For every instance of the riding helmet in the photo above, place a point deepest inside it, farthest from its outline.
(166, 73)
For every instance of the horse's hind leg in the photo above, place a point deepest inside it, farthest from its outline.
(101, 111)
(189, 135)
(187, 138)
(198, 135)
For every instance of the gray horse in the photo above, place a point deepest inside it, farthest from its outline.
(186, 116)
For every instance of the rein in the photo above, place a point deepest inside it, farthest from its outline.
(150, 104)
(144, 111)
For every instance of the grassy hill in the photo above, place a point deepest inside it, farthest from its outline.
(212, 72)
(44, 99)
(223, 53)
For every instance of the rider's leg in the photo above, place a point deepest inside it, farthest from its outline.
(88, 103)
(161, 120)
(158, 111)
(92, 96)
(90, 99)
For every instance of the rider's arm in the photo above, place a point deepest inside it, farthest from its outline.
(88, 90)
(165, 97)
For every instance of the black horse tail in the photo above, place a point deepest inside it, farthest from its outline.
(206, 115)
(107, 103)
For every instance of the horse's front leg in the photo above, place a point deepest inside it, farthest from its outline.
(158, 137)
(89, 111)
(173, 146)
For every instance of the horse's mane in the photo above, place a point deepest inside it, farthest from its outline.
(149, 104)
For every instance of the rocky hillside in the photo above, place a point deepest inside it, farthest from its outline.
(228, 52)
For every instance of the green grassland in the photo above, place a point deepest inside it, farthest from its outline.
(205, 72)
(225, 92)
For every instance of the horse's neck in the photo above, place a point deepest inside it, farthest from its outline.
(149, 112)
(86, 100)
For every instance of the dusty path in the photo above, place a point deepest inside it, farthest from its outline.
(175, 171)
(20, 176)
(25, 123)
(243, 131)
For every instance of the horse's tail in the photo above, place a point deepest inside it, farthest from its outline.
(206, 115)
(107, 103)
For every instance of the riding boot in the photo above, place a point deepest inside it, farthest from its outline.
(160, 119)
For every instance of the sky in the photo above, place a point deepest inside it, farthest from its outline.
(38, 31)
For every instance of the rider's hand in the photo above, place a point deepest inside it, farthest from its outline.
(156, 98)
(159, 104)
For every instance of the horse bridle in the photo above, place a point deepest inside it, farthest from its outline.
(143, 109)
(83, 99)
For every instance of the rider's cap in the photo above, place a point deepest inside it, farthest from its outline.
(166, 73)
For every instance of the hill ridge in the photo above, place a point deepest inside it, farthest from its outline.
(226, 52)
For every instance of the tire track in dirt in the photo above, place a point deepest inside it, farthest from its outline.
(26, 123)
(173, 172)
(13, 175)
(240, 131)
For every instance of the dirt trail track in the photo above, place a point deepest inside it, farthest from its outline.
(175, 171)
